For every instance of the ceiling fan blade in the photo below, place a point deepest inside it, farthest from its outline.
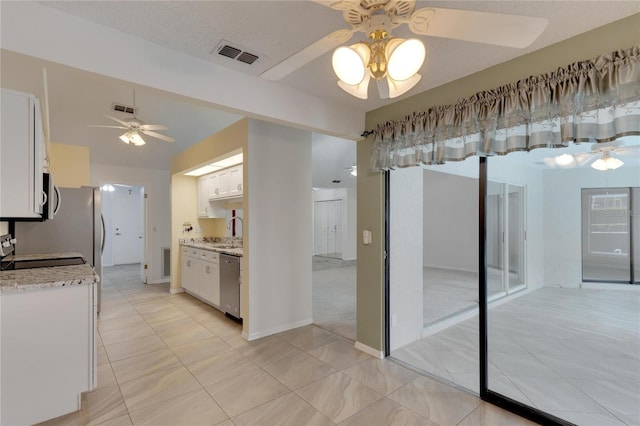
(339, 4)
(308, 54)
(482, 27)
(157, 135)
(117, 120)
(153, 127)
(109, 127)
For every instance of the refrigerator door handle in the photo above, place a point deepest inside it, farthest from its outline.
(58, 200)
(103, 236)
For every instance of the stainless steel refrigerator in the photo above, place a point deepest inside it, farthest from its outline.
(77, 227)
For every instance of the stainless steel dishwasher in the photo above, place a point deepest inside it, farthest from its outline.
(230, 285)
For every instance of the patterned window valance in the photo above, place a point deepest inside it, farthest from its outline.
(589, 101)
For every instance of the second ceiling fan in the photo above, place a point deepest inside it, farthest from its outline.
(135, 128)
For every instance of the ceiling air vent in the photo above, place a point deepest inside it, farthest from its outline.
(123, 108)
(247, 58)
(235, 52)
(229, 51)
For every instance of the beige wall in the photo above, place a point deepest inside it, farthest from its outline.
(370, 288)
(69, 165)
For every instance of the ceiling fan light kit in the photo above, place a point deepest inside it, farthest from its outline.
(134, 127)
(132, 137)
(607, 162)
(395, 59)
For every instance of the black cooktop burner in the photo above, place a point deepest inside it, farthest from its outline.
(41, 263)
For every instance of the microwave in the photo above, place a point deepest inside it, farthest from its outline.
(51, 195)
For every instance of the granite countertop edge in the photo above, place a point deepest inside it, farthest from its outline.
(23, 280)
(214, 243)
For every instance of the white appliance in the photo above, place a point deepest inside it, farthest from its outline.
(77, 227)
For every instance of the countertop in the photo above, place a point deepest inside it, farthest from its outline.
(225, 246)
(36, 278)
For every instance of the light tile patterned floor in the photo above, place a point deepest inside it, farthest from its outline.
(172, 360)
(572, 352)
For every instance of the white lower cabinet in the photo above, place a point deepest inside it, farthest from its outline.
(48, 352)
(210, 278)
(189, 266)
(201, 274)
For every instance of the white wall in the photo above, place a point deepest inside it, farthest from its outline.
(450, 236)
(349, 216)
(280, 228)
(158, 227)
(562, 218)
(406, 248)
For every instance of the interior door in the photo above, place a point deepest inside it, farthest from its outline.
(328, 228)
(127, 229)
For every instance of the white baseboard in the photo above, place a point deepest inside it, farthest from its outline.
(613, 286)
(163, 281)
(278, 329)
(369, 350)
(176, 290)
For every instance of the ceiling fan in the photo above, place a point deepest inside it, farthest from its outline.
(379, 56)
(605, 155)
(134, 127)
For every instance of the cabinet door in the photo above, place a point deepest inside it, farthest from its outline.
(20, 156)
(235, 181)
(210, 283)
(189, 267)
(214, 186)
(203, 196)
(223, 183)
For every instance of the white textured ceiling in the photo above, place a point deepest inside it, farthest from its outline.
(279, 29)
(273, 29)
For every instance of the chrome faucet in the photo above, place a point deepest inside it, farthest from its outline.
(232, 219)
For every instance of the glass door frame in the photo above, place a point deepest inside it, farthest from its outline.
(487, 394)
(506, 234)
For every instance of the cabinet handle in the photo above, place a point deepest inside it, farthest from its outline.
(208, 270)
(189, 263)
(239, 187)
(216, 191)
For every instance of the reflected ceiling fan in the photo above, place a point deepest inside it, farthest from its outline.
(135, 128)
(393, 62)
(605, 155)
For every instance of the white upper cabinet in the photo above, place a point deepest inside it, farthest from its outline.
(226, 183)
(203, 196)
(21, 151)
(235, 181)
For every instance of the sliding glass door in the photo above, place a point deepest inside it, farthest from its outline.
(610, 235)
(505, 219)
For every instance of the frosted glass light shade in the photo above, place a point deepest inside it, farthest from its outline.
(136, 139)
(607, 163)
(358, 90)
(405, 58)
(565, 160)
(125, 137)
(397, 88)
(348, 65)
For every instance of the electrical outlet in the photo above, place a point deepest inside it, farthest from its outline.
(394, 320)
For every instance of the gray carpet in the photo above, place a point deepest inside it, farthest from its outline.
(334, 295)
